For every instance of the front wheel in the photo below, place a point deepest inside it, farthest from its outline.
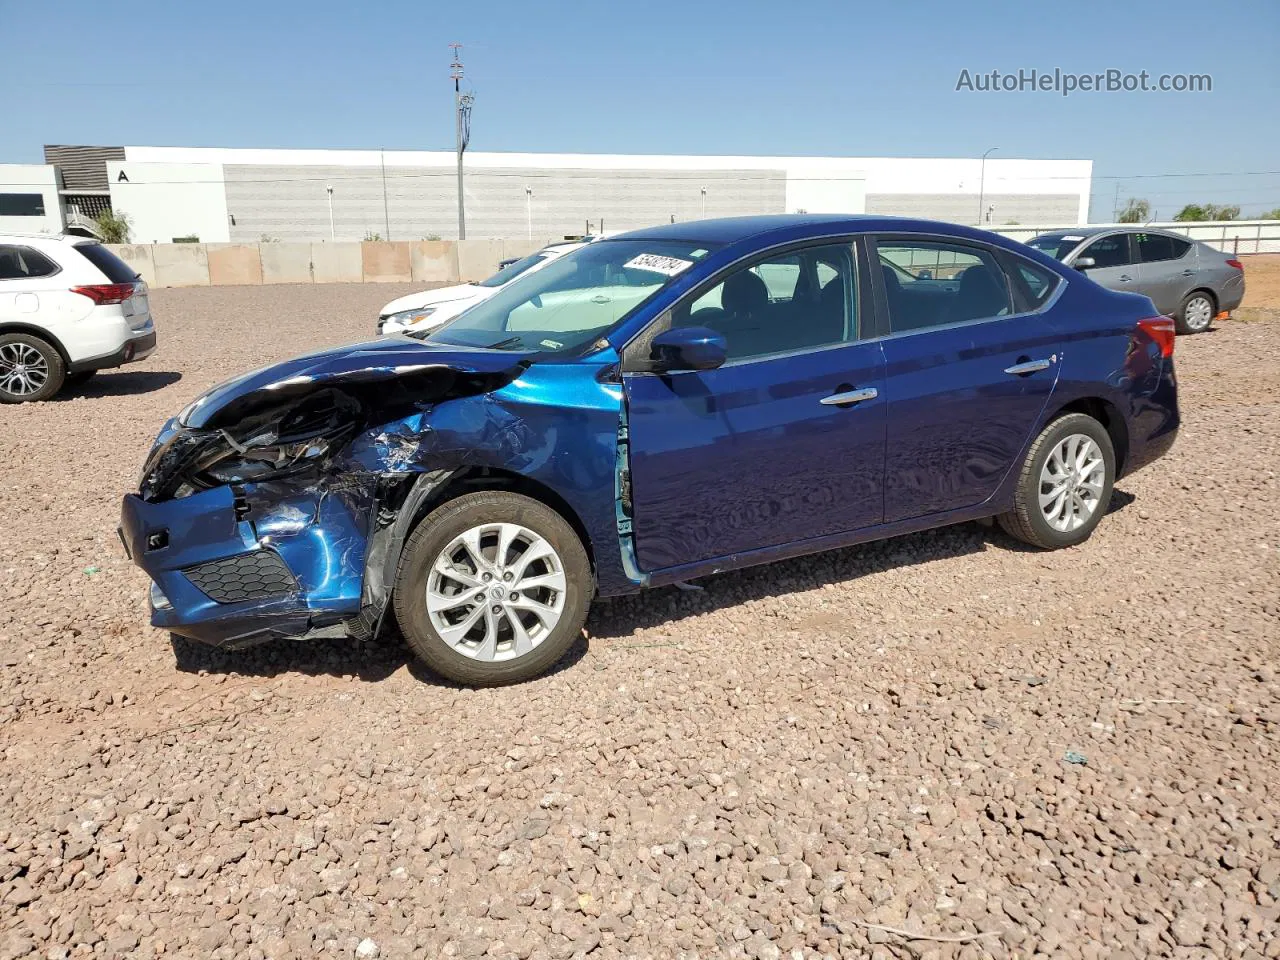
(1064, 485)
(493, 588)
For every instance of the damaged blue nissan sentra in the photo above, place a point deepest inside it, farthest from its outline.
(663, 405)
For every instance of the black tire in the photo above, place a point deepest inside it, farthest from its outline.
(440, 529)
(1190, 320)
(54, 369)
(1026, 521)
(76, 379)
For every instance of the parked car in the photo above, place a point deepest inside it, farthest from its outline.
(659, 406)
(430, 308)
(68, 308)
(1186, 279)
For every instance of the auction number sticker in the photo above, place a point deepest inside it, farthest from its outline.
(654, 263)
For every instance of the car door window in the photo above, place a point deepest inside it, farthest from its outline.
(1155, 247)
(1040, 283)
(797, 301)
(24, 263)
(1112, 251)
(931, 284)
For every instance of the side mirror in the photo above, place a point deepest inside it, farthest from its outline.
(1084, 263)
(688, 348)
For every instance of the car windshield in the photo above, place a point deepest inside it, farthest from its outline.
(513, 270)
(1056, 245)
(572, 300)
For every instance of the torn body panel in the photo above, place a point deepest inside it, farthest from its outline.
(330, 474)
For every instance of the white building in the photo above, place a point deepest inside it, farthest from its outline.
(219, 195)
(29, 199)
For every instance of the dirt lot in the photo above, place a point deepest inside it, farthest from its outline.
(1067, 754)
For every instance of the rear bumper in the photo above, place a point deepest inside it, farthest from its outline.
(226, 580)
(139, 346)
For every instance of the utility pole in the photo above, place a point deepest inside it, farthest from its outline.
(528, 201)
(328, 189)
(462, 128)
(1115, 204)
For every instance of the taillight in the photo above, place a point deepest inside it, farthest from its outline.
(1235, 263)
(106, 293)
(1162, 331)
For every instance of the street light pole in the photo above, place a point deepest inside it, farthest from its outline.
(528, 202)
(462, 129)
(329, 190)
(982, 182)
(704, 203)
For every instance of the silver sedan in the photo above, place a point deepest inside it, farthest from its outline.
(1186, 279)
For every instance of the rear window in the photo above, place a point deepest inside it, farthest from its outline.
(117, 270)
(24, 263)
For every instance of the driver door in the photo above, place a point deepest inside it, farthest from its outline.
(786, 441)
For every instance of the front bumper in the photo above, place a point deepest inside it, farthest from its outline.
(236, 566)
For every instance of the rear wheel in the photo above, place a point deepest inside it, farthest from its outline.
(493, 588)
(1064, 485)
(30, 368)
(1196, 312)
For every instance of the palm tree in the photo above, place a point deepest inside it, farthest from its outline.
(1135, 211)
(113, 227)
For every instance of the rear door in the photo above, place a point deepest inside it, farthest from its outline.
(1115, 262)
(785, 441)
(1169, 269)
(970, 363)
(27, 277)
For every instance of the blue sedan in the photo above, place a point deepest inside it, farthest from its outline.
(662, 405)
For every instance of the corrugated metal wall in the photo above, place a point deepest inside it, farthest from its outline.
(963, 207)
(290, 203)
(82, 168)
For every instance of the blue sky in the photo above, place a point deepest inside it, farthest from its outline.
(805, 77)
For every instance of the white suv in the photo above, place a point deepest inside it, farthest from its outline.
(430, 308)
(68, 307)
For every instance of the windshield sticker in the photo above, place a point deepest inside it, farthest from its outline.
(654, 263)
(551, 344)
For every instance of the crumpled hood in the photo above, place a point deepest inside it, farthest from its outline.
(429, 298)
(356, 365)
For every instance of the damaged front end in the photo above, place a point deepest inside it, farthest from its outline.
(276, 505)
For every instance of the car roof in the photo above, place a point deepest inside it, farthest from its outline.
(1086, 232)
(47, 237)
(767, 229)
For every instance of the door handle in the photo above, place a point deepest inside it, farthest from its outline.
(1124, 278)
(1188, 273)
(849, 397)
(1029, 366)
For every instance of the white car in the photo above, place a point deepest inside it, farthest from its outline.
(68, 308)
(430, 308)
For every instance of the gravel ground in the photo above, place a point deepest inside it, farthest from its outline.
(1073, 754)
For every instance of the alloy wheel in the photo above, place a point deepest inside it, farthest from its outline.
(23, 369)
(1071, 483)
(496, 591)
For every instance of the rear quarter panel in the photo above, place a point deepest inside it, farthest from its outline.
(1102, 359)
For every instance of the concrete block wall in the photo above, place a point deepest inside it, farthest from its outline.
(223, 264)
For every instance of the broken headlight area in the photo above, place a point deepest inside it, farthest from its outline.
(293, 438)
